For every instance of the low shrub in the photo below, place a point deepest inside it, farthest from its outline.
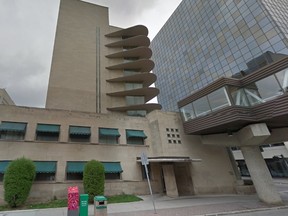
(93, 179)
(18, 180)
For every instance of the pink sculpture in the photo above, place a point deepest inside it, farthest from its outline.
(73, 198)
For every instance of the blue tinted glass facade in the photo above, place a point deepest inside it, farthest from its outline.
(207, 39)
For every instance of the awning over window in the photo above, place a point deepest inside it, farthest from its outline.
(76, 130)
(3, 166)
(78, 167)
(112, 167)
(109, 132)
(75, 167)
(48, 128)
(13, 126)
(135, 133)
(45, 166)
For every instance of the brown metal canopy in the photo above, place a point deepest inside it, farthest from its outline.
(132, 31)
(166, 159)
(148, 93)
(142, 65)
(146, 78)
(140, 52)
(138, 41)
(147, 107)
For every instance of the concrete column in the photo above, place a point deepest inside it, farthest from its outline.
(94, 134)
(286, 144)
(234, 166)
(60, 171)
(260, 175)
(64, 133)
(170, 180)
(31, 132)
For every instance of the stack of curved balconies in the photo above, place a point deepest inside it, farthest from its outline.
(133, 57)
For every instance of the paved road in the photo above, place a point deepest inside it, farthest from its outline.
(274, 212)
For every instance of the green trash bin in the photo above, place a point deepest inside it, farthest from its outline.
(100, 206)
(83, 205)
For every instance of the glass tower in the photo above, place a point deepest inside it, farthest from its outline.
(207, 39)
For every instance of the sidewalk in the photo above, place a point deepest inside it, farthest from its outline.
(188, 206)
(165, 206)
(204, 205)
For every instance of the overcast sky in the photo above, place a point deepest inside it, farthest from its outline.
(27, 30)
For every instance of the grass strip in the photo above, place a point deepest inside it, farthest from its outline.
(58, 203)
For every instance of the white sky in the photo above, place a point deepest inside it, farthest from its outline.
(27, 29)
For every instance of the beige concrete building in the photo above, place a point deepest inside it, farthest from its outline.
(5, 98)
(97, 67)
(61, 141)
(96, 109)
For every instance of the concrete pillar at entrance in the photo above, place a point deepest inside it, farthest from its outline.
(170, 180)
(260, 175)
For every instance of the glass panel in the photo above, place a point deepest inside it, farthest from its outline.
(131, 86)
(134, 100)
(269, 88)
(74, 176)
(201, 106)
(263, 90)
(79, 138)
(135, 140)
(47, 136)
(253, 95)
(11, 135)
(238, 95)
(219, 99)
(130, 72)
(108, 140)
(125, 48)
(187, 112)
(130, 59)
(45, 177)
(282, 77)
(112, 176)
(141, 113)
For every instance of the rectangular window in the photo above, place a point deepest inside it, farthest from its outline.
(45, 170)
(131, 86)
(282, 77)
(109, 135)
(74, 170)
(113, 170)
(135, 137)
(47, 132)
(201, 106)
(3, 167)
(219, 99)
(79, 134)
(12, 130)
(263, 90)
(134, 100)
(238, 95)
(187, 112)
